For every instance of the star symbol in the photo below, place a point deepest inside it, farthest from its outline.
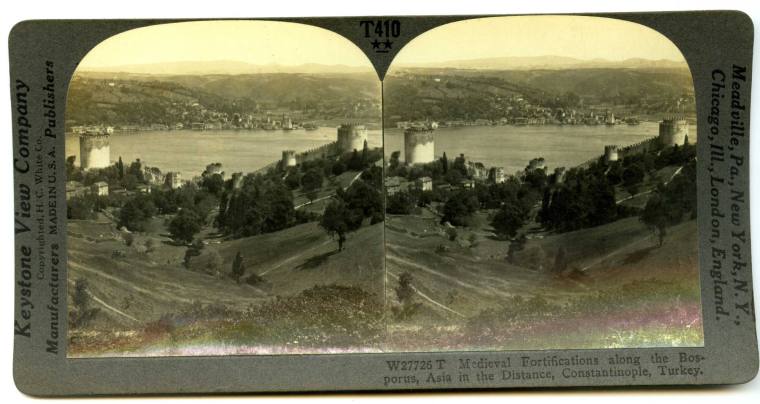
(375, 44)
(387, 43)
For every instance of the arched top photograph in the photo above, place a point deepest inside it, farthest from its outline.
(222, 176)
(541, 187)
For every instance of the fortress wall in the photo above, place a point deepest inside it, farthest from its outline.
(318, 152)
(637, 148)
(630, 150)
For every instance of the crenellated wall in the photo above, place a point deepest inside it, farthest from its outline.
(316, 153)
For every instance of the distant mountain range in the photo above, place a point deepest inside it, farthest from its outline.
(549, 63)
(226, 67)
(230, 67)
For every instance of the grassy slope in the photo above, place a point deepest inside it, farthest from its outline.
(480, 277)
(303, 256)
(145, 286)
(467, 280)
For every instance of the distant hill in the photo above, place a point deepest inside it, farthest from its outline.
(601, 82)
(131, 98)
(549, 62)
(227, 67)
(284, 87)
(444, 94)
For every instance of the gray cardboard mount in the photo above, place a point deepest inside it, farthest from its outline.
(711, 41)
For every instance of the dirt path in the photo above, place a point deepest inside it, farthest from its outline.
(615, 252)
(295, 257)
(106, 305)
(428, 298)
(356, 177)
(129, 285)
(423, 268)
(489, 288)
(627, 198)
(112, 309)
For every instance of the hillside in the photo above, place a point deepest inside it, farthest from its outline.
(122, 99)
(451, 94)
(548, 62)
(471, 297)
(231, 67)
(141, 294)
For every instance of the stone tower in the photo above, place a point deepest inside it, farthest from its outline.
(610, 153)
(673, 131)
(419, 145)
(351, 137)
(95, 149)
(288, 158)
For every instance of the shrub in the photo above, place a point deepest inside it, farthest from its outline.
(129, 239)
(451, 232)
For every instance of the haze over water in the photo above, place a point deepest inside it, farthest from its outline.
(189, 151)
(509, 146)
(512, 147)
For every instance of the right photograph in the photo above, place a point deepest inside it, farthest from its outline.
(540, 188)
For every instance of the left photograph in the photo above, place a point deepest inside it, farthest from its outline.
(224, 193)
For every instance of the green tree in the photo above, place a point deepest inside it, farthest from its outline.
(70, 167)
(312, 180)
(238, 267)
(632, 177)
(335, 221)
(137, 212)
(655, 216)
(508, 220)
(185, 225)
(362, 200)
(355, 162)
(120, 168)
(405, 294)
(213, 183)
(459, 208)
(82, 313)
(338, 168)
(393, 163)
(560, 260)
(400, 203)
(365, 154)
(81, 208)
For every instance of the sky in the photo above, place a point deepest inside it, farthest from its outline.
(525, 36)
(255, 42)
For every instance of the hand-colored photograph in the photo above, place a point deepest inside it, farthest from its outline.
(253, 188)
(540, 188)
(224, 190)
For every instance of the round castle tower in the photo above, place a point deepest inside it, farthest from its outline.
(419, 145)
(673, 131)
(351, 137)
(610, 153)
(95, 149)
(288, 158)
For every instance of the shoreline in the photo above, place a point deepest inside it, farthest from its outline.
(369, 126)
